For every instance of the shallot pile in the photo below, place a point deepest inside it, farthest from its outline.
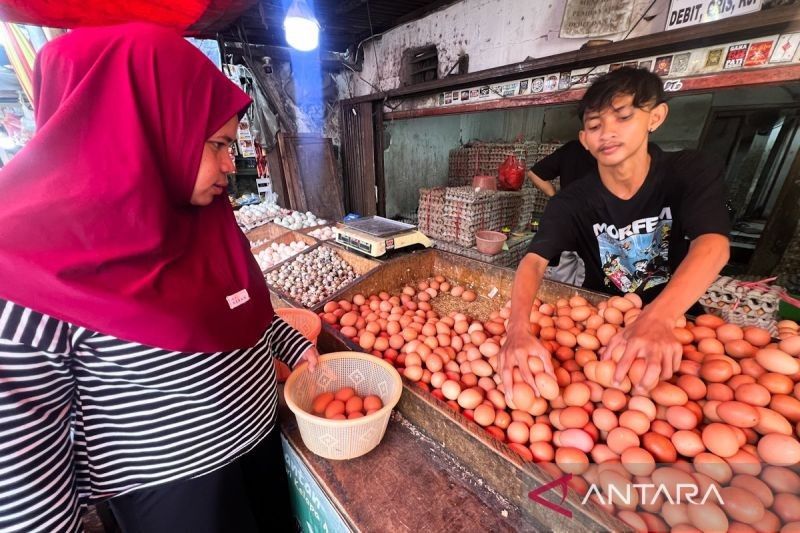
(729, 417)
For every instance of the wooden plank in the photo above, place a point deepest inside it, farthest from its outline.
(312, 179)
(276, 174)
(694, 84)
(380, 177)
(358, 157)
(768, 22)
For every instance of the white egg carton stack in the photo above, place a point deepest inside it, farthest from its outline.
(251, 216)
(743, 303)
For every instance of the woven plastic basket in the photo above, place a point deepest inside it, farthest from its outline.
(304, 321)
(343, 439)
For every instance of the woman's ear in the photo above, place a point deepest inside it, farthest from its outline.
(657, 116)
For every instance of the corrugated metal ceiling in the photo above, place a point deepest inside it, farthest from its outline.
(344, 22)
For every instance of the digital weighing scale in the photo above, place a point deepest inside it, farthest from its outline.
(375, 236)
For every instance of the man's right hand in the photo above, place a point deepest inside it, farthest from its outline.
(521, 344)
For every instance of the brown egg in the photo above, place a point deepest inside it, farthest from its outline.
(779, 450)
(693, 386)
(709, 321)
(770, 522)
(321, 402)
(573, 417)
(719, 392)
(667, 394)
(576, 394)
(777, 361)
(739, 349)
(713, 466)
(708, 346)
(469, 296)
(787, 507)
(738, 414)
(523, 396)
(345, 393)
(753, 394)
(470, 398)
(604, 419)
(720, 439)
(638, 461)
(571, 461)
(644, 405)
(753, 485)
(354, 404)
(614, 399)
(688, 443)
(681, 417)
(776, 383)
(334, 408)
(669, 478)
(605, 333)
(620, 439)
(716, 371)
(729, 332)
(770, 421)
(636, 421)
(758, 337)
(781, 479)
(787, 406)
(547, 386)
(484, 415)
(708, 517)
(660, 447)
(518, 432)
(791, 345)
(451, 389)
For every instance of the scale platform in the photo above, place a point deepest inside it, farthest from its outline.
(375, 236)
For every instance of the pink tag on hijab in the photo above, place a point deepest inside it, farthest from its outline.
(238, 298)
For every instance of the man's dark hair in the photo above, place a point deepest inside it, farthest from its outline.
(646, 88)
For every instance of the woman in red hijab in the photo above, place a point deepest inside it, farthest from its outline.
(136, 330)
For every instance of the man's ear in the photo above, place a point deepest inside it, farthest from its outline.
(657, 116)
(582, 138)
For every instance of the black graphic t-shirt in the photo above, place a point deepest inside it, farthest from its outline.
(570, 162)
(635, 245)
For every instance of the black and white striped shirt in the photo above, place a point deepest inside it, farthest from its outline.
(86, 416)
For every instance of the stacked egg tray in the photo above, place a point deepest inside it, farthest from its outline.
(479, 159)
(431, 208)
(454, 214)
(738, 303)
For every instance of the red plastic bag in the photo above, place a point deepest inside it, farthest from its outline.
(511, 174)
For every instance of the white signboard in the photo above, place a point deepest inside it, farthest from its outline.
(683, 13)
(594, 18)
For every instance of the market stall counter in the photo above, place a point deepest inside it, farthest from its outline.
(408, 483)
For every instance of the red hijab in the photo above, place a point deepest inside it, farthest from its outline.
(96, 227)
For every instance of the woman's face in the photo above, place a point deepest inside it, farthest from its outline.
(215, 164)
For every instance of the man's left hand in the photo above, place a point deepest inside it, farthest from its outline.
(651, 338)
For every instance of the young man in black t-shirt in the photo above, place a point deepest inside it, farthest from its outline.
(646, 221)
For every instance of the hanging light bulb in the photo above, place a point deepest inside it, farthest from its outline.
(301, 27)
